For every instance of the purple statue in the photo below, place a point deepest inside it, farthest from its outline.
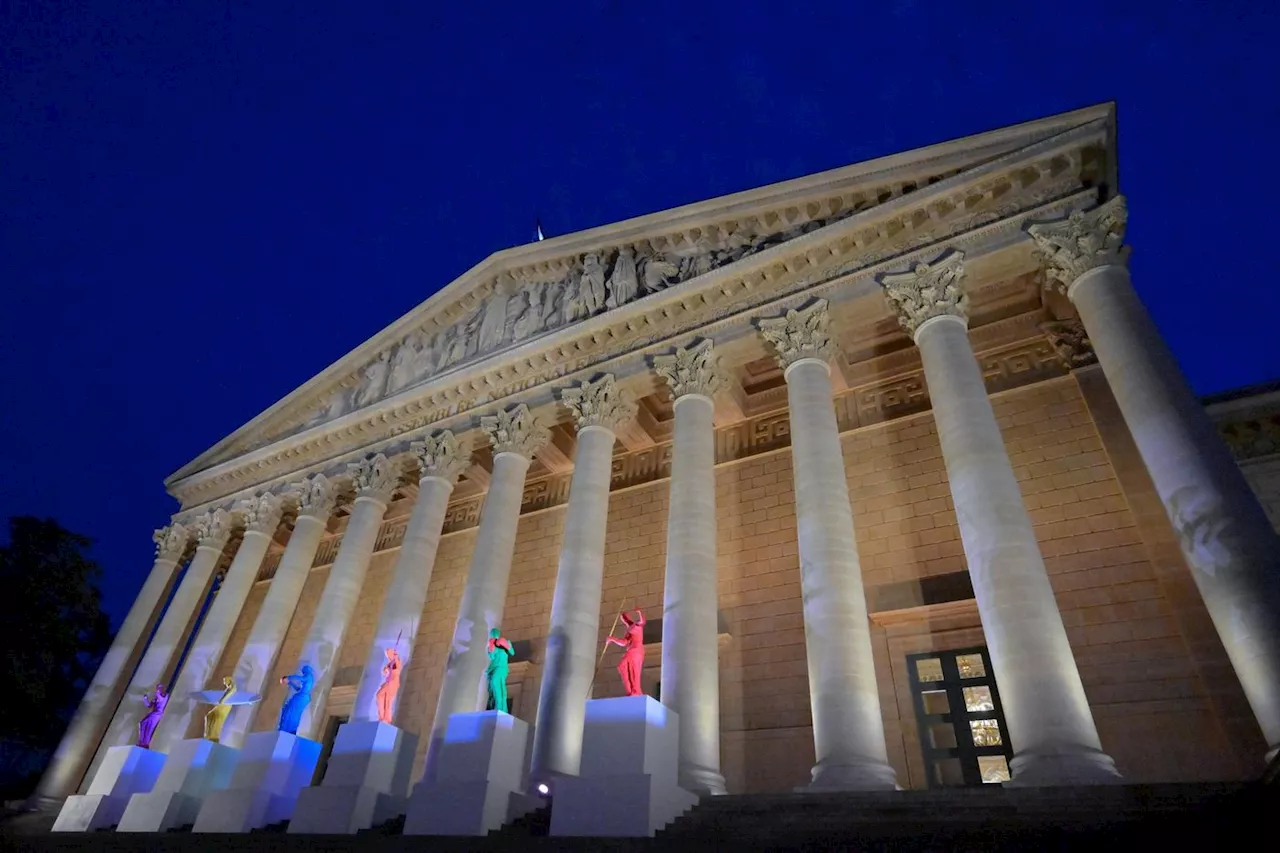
(147, 725)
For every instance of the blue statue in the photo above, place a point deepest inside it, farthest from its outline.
(291, 712)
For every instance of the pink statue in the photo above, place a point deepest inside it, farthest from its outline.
(155, 710)
(386, 695)
(632, 662)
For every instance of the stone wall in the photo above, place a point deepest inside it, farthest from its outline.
(1166, 704)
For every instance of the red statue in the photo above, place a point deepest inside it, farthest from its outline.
(390, 686)
(632, 662)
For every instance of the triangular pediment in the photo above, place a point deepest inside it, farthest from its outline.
(517, 295)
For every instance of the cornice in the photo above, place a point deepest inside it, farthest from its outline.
(983, 207)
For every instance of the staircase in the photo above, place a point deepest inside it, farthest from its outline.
(1132, 817)
(971, 818)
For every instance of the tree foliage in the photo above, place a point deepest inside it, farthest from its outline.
(53, 631)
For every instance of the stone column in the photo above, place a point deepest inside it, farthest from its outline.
(599, 408)
(315, 497)
(440, 461)
(690, 635)
(211, 532)
(1233, 551)
(374, 479)
(261, 517)
(848, 728)
(516, 436)
(1055, 741)
(76, 749)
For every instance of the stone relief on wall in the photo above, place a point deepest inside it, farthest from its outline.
(526, 302)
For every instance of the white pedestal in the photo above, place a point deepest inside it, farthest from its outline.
(273, 768)
(192, 769)
(124, 771)
(627, 782)
(365, 782)
(479, 779)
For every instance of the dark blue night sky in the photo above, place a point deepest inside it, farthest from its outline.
(203, 204)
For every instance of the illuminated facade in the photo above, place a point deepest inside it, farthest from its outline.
(933, 500)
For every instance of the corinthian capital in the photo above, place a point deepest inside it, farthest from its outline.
(375, 477)
(601, 403)
(441, 456)
(171, 542)
(213, 528)
(693, 370)
(317, 496)
(261, 514)
(928, 291)
(515, 431)
(1083, 241)
(799, 334)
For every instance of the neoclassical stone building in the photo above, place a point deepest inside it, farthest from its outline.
(892, 457)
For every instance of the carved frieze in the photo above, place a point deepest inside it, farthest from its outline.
(769, 274)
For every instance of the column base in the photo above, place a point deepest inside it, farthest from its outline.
(478, 778)
(860, 776)
(123, 772)
(273, 768)
(365, 783)
(627, 785)
(191, 771)
(1032, 770)
(702, 781)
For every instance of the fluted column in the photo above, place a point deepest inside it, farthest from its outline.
(211, 532)
(690, 652)
(315, 497)
(1055, 741)
(76, 749)
(374, 479)
(1233, 551)
(261, 517)
(848, 728)
(568, 668)
(440, 461)
(516, 436)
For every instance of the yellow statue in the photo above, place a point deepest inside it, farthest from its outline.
(218, 713)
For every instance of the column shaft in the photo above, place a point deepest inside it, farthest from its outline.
(690, 651)
(258, 660)
(407, 595)
(337, 605)
(848, 729)
(1051, 727)
(484, 595)
(1233, 551)
(156, 666)
(76, 749)
(205, 653)
(570, 660)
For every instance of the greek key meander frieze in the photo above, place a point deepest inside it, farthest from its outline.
(965, 216)
(1017, 365)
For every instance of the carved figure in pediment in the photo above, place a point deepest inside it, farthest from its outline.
(333, 407)
(656, 272)
(453, 345)
(591, 287)
(471, 333)
(702, 260)
(739, 245)
(374, 382)
(493, 319)
(530, 319)
(624, 282)
(575, 304)
(404, 365)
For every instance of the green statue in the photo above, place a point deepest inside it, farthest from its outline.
(500, 652)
